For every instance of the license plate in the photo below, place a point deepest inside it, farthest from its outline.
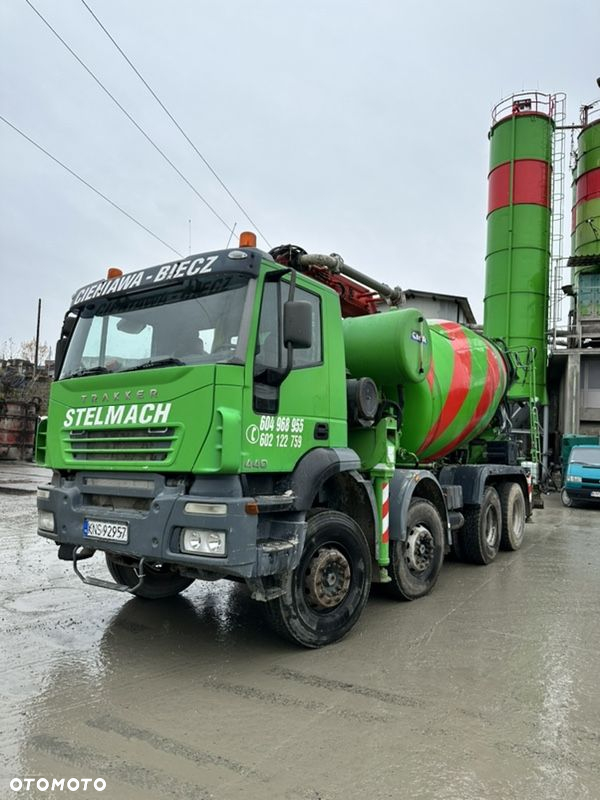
(110, 531)
(595, 494)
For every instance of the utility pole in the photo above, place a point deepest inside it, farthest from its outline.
(37, 335)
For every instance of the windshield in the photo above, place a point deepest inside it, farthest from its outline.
(200, 324)
(585, 455)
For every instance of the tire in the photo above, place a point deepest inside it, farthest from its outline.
(415, 563)
(159, 581)
(482, 529)
(566, 498)
(328, 590)
(514, 513)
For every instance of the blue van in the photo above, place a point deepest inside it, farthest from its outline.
(582, 476)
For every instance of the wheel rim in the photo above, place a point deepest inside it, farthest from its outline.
(491, 527)
(327, 579)
(419, 549)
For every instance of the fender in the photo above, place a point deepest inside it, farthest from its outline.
(473, 479)
(405, 484)
(316, 467)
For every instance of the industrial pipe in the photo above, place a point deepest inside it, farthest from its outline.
(336, 265)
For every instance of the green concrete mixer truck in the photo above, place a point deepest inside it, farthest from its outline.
(279, 419)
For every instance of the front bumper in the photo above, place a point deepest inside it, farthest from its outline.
(153, 506)
(582, 492)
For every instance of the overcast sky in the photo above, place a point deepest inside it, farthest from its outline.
(342, 126)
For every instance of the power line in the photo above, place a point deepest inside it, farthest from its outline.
(89, 185)
(128, 115)
(231, 236)
(174, 121)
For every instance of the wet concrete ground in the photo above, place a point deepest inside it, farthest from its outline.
(485, 690)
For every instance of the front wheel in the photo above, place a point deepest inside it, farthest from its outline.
(416, 562)
(330, 586)
(566, 498)
(159, 580)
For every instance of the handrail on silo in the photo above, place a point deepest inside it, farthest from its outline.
(589, 113)
(525, 103)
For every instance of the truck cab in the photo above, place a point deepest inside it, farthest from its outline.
(198, 407)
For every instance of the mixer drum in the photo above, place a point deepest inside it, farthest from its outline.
(466, 382)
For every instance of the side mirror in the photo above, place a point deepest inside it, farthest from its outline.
(297, 324)
(68, 325)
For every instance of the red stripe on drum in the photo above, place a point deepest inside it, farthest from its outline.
(430, 376)
(459, 384)
(492, 382)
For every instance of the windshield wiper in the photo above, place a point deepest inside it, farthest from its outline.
(159, 362)
(89, 371)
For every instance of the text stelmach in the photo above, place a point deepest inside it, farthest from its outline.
(98, 416)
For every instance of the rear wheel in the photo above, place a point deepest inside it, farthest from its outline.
(482, 529)
(159, 580)
(514, 513)
(415, 563)
(329, 588)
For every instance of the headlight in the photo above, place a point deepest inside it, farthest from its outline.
(203, 543)
(573, 478)
(46, 521)
(43, 494)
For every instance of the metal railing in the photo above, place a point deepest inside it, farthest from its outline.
(589, 113)
(526, 103)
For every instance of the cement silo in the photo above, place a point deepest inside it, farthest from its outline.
(585, 247)
(518, 233)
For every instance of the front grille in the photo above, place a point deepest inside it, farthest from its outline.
(591, 481)
(122, 444)
(114, 502)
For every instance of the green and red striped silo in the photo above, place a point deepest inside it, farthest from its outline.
(586, 195)
(518, 232)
